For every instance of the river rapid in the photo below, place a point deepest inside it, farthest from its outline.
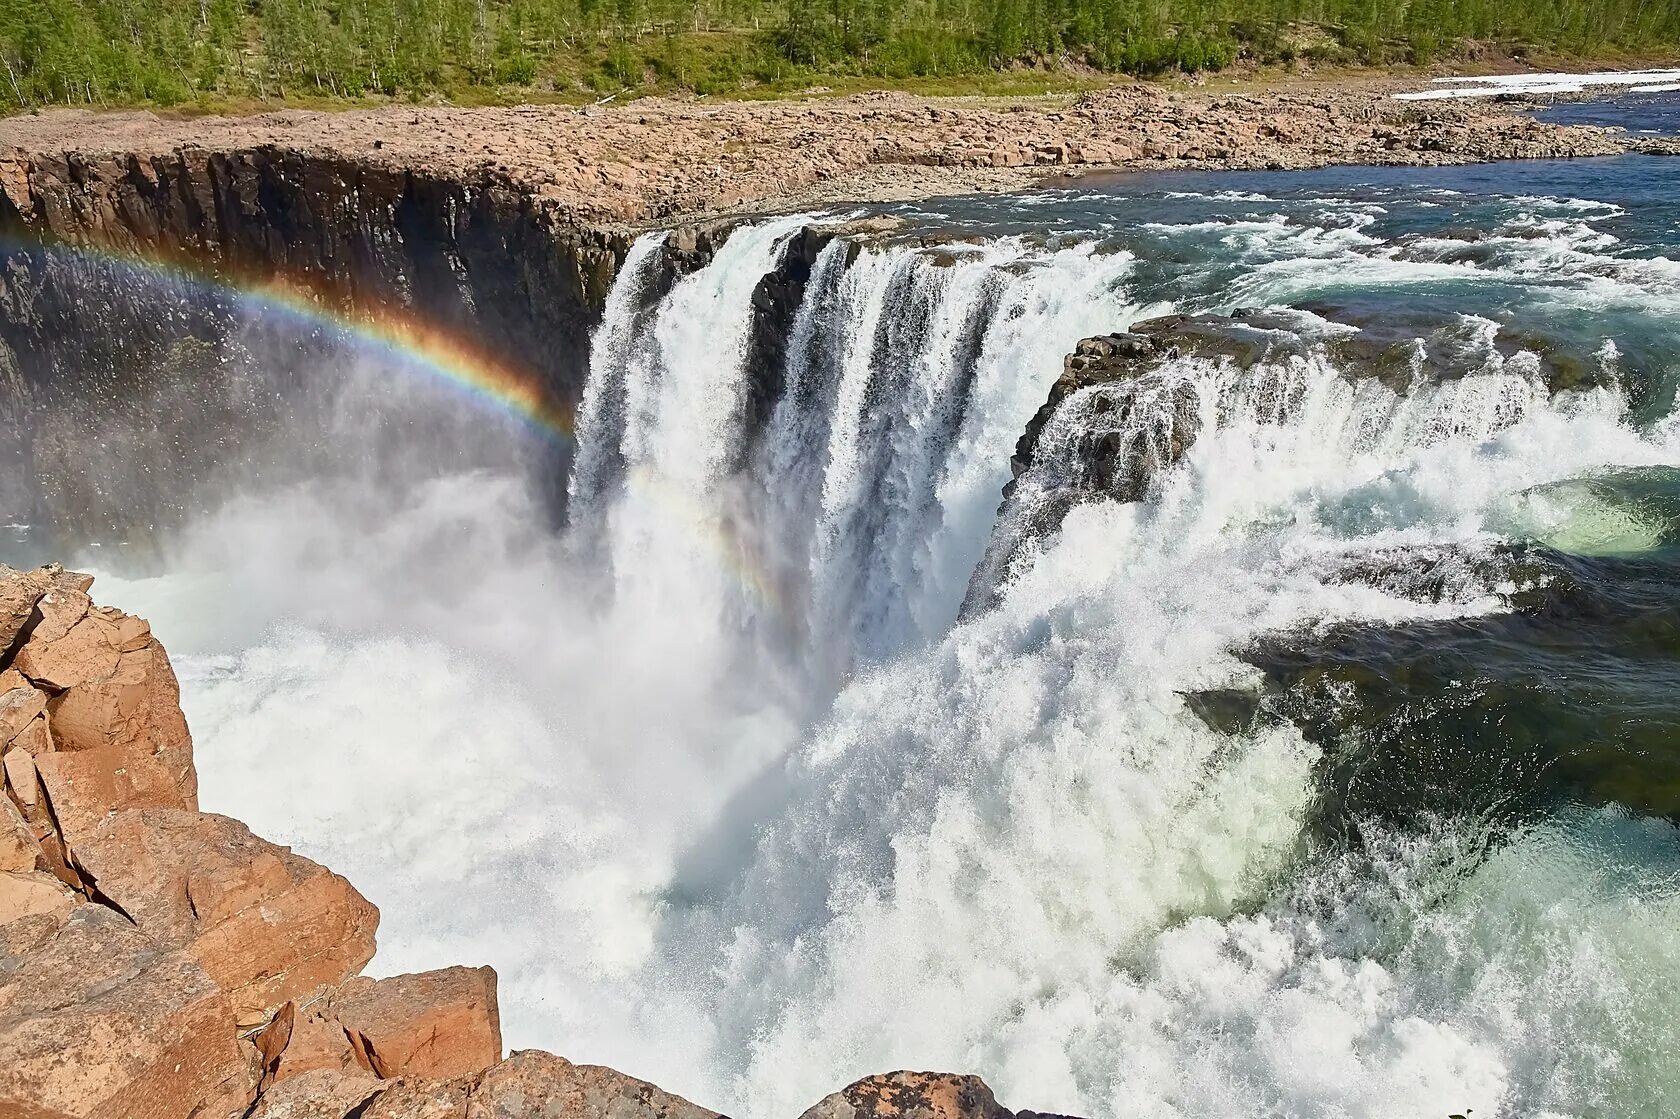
(1338, 776)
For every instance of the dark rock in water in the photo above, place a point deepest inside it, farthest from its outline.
(775, 305)
(1136, 423)
(1229, 711)
(1094, 361)
(688, 249)
(1566, 697)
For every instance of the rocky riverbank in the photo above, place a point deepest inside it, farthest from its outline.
(655, 160)
(159, 962)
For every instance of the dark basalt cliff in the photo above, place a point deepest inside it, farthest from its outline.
(477, 252)
(132, 368)
(122, 331)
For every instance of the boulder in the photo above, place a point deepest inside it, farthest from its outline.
(18, 708)
(911, 1095)
(83, 787)
(135, 706)
(20, 591)
(19, 849)
(318, 1094)
(435, 1024)
(85, 652)
(426, 1099)
(266, 924)
(96, 1019)
(34, 739)
(533, 1083)
(28, 893)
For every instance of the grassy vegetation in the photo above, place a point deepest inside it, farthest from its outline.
(170, 52)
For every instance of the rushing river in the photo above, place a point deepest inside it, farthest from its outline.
(1337, 777)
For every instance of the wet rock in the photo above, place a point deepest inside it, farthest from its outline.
(266, 924)
(775, 305)
(96, 1019)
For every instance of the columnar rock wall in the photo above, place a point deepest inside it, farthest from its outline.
(116, 313)
(158, 962)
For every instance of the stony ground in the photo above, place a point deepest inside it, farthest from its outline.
(653, 160)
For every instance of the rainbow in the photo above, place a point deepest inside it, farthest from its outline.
(446, 357)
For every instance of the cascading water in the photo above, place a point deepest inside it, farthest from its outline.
(1323, 777)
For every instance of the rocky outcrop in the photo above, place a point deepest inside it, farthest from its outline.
(141, 938)
(157, 962)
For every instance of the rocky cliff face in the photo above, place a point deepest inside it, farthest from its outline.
(121, 326)
(133, 370)
(475, 251)
(158, 962)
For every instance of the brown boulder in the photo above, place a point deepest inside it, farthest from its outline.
(21, 591)
(34, 739)
(135, 705)
(26, 894)
(320, 1094)
(86, 651)
(19, 849)
(424, 1099)
(534, 1083)
(434, 1024)
(96, 1019)
(911, 1095)
(267, 925)
(18, 708)
(83, 787)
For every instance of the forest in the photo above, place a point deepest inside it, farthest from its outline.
(171, 52)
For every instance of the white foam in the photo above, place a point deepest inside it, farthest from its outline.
(1494, 85)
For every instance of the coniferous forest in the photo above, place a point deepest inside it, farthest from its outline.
(182, 51)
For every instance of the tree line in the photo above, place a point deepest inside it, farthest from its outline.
(172, 51)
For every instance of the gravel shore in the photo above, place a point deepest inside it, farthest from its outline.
(655, 161)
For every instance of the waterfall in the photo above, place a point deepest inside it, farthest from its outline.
(1307, 754)
(844, 529)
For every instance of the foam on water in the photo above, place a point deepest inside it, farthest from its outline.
(751, 846)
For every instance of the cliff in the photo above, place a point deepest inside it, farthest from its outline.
(159, 962)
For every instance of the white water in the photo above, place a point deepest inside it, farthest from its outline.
(746, 820)
(1644, 81)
